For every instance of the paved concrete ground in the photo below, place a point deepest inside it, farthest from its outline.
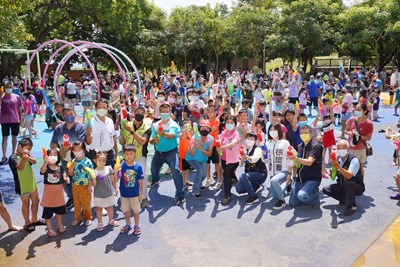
(204, 233)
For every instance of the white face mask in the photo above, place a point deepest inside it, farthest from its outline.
(273, 134)
(249, 142)
(171, 100)
(102, 112)
(53, 159)
(195, 98)
(9, 90)
(341, 153)
(161, 98)
(190, 98)
(358, 113)
(79, 154)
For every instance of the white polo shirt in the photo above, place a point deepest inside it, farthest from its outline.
(102, 134)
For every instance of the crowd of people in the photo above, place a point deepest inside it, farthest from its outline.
(209, 125)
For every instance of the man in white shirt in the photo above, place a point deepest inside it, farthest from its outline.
(101, 136)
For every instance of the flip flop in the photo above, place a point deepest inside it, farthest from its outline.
(39, 223)
(29, 227)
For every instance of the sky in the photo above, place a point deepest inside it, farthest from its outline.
(167, 5)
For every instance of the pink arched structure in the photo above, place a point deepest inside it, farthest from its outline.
(27, 72)
(76, 50)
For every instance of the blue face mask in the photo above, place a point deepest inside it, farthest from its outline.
(69, 119)
(165, 116)
(312, 81)
(302, 123)
(230, 126)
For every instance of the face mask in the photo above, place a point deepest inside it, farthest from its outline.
(79, 154)
(53, 159)
(179, 100)
(165, 116)
(171, 100)
(190, 85)
(328, 122)
(86, 86)
(9, 90)
(302, 123)
(249, 142)
(358, 113)
(204, 132)
(102, 112)
(273, 134)
(139, 117)
(161, 98)
(312, 81)
(195, 98)
(230, 126)
(341, 153)
(69, 119)
(305, 137)
(190, 98)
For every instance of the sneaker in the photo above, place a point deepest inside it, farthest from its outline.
(350, 210)
(145, 203)
(395, 196)
(189, 183)
(69, 204)
(180, 201)
(252, 200)
(202, 188)
(279, 204)
(217, 186)
(259, 189)
(215, 175)
(154, 183)
(3, 161)
(196, 196)
(396, 114)
(226, 200)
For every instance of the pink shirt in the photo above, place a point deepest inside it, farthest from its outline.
(230, 155)
(9, 110)
(348, 100)
(28, 107)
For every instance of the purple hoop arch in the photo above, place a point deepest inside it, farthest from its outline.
(27, 72)
(76, 50)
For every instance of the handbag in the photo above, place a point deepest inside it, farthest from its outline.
(368, 147)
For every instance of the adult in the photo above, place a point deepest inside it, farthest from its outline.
(312, 88)
(230, 141)
(394, 83)
(75, 132)
(6, 216)
(359, 130)
(350, 179)
(347, 109)
(280, 167)
(255, 171)
(101, 136)
(10, 118)
(305, 188)
(138, 133)
(164, 136)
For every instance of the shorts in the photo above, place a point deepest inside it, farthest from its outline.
(313, 101)
(346, 116)
(29, 117)
(48, 212)
(214, 158)
(185, 165)
(6, 127)
(293, 100)
(391, 93)
(71, 96)
(361, 154)
(104, 202)
(302, 106)
(87, 103)
(131, 203)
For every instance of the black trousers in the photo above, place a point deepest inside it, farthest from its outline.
(346, 193)
(229, 173)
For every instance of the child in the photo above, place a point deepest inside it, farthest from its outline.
(131, 189)
(53, 195)
(81, 184)
(28, 116)
(104, 190)
(183, 148)
(328, 139)
(25, 183)
(375, 107)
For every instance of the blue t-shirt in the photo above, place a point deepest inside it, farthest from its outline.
(312, 89)
(398, 94)
(198, 155)
(129, 184)
(166, 144)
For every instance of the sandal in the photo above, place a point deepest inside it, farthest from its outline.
(113, 223)
(208, 182)
(217, 186)
(39, 223)
(100, 227)
(51, 233)
(29, 227)
(125, 229)
(75, 222)
(137, 230)
(88, 222)
(61, 229)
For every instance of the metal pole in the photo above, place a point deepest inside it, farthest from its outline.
(38, 66)
(28, 71)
